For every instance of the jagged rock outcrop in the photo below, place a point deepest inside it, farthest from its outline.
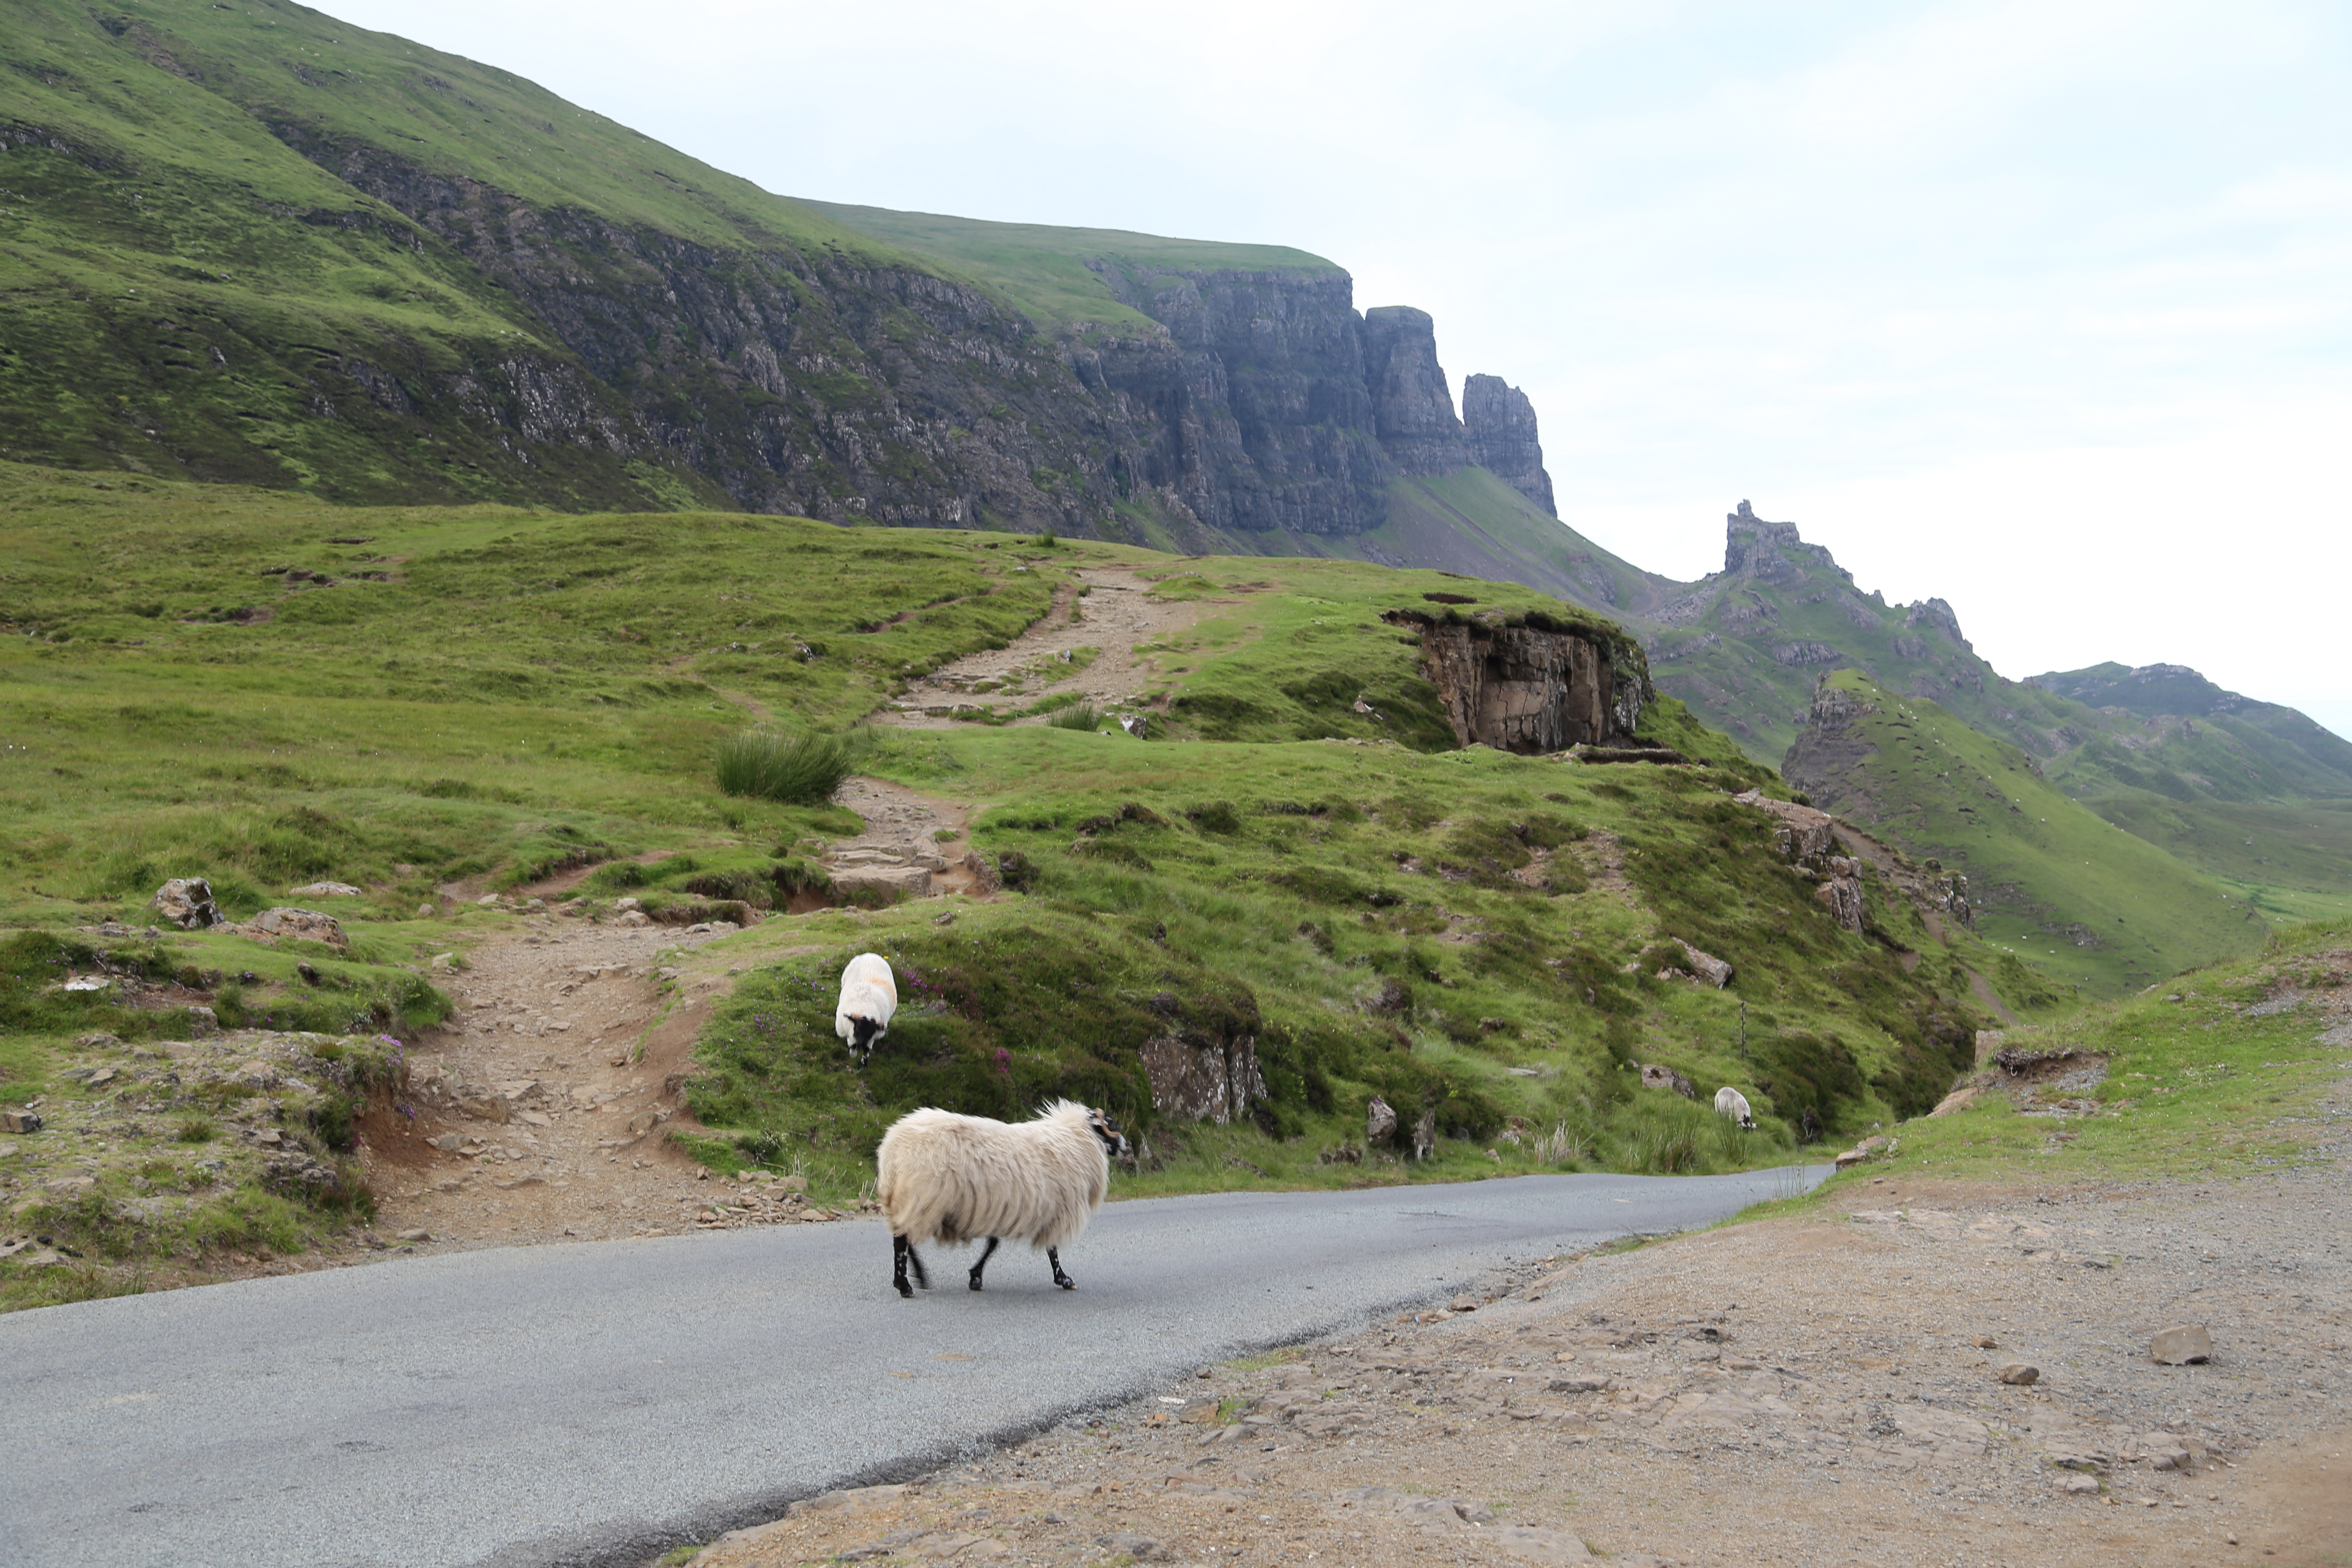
(1413, 403)
(1772, 551)
(1500, 424)
(1530, 683)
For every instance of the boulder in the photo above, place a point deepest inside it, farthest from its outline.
(1379, 1121)
(20, 1121)
(1707, 966)
(2018, 1374)
(1653, 1076)
(324, 890)
(2181, 1345)
(187, 902)
(306, 925)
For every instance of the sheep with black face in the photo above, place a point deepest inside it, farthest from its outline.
(952, 1178)
(869, 999)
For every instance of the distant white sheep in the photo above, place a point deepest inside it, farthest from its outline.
(952, 1178)
(1729, 1101)
(869, 996)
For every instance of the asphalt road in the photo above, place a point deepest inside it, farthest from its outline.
(595, 1404)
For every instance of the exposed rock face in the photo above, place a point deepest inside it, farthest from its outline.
(1938, 613)
(787, 379)
(1254, 410)
(1413, 403)
(1529, 684)
(1204, 1067)
(1500, 424)
(1772, 551)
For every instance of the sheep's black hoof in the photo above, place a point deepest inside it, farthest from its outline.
(1066, 1283)
(906, 1291)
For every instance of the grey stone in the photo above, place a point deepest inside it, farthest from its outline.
(325, 891)
(1379, 1121)
(187, 902)
(2018, 1373)
(20, 1121)
(1499, 426)
(1142, 1548)
(2181, 1345)
(2077, 1483)
(415, 1236)
(1707, 966)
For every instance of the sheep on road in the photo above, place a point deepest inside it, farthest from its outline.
(952, 1178)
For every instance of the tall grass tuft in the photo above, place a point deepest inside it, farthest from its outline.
(798, 769)
(1082, 716)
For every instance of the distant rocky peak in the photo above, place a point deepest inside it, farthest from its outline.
(1412, 401)
(1770, 550)
(1500, 424)
(1935, 613)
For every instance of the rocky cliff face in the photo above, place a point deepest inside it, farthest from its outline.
(1413, 403)
(1253, 412)
(798, 383)
(1499, 425)
(1530, 684)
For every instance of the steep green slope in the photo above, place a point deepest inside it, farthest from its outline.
(1061, 278)
(1471, 522)
(256, 243)
(2078, 896)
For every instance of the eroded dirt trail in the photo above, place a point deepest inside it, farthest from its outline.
(1118, 616)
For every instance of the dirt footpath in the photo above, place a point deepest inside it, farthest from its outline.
(1117, 613)
(1820, 1391)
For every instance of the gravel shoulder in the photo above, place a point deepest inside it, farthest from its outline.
(1806, 1390)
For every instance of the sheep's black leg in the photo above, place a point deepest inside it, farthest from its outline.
(902, 1253)
(985, 1254)
(1054, 1257)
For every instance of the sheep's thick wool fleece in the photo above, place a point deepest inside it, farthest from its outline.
(945, 1177)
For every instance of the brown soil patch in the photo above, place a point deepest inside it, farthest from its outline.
(1804, 1391)
(1117, 613)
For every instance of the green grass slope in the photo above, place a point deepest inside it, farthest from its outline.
(266, 690)
(2077, 897)
(2225, 1070)
(1472, 524)
(187, 294)
(1044, 270)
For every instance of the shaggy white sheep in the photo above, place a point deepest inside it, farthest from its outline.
(952, 1178)
(1729, 1101)
(869, 995)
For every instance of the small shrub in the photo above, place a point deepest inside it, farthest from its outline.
(797, 770)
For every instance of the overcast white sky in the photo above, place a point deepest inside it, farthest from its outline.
(2041, 308)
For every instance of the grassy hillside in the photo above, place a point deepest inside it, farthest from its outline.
(2225, 1070)
(1044, 269)
(1472, 522)
(187, 294)
(2084, 900)
(489, 694)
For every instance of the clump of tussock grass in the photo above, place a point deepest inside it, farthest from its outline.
(1081, 717)
(797, 770)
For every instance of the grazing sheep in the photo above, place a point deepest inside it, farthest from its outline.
(869, 998)
(945, 1177)
(1729, 1101)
